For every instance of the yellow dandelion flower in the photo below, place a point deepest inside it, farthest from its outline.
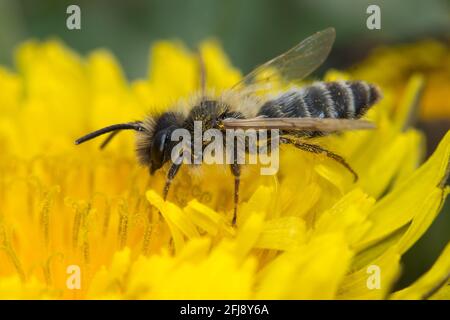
(77, 223)
(429, 58)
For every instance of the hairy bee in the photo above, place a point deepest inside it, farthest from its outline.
(299, 113)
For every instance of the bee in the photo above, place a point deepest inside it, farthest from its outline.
(299, 113)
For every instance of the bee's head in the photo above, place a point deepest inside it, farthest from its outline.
(154, 145)
(160, 148)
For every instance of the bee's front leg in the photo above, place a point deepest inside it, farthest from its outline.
(173, 170)
(236, 170)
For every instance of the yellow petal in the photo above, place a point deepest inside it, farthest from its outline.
(427, 212)
(206, 218)
(357, 285)
(385, 165)
(312, 271)
(220, 73)
(248, 235)
(175, 217)
(407, 110)
(348, 215)
(433, 281)
(218, 276)
(260, 202)
(107, 283)
(400, 206)
(13, 288)
(282, 234)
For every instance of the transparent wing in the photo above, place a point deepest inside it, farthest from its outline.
(291, 66)
(313, 124)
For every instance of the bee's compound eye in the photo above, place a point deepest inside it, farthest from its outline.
(158, 150)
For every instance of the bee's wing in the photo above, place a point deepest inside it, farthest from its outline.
(291, 66)
(297, 124)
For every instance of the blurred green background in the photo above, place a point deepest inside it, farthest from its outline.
(251, 31)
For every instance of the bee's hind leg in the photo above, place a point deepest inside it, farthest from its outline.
(319, 150)
(236, 170)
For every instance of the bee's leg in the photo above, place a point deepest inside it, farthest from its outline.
(173, 170)
(319, 150)
(236, 170)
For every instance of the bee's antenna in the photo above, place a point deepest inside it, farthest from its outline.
(121, 126)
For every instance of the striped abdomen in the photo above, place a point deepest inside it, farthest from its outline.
(340, 99)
